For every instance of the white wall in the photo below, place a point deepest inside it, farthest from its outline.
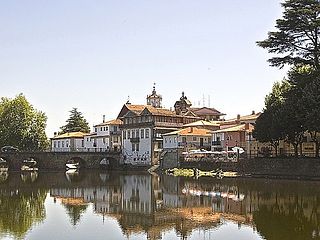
(141, 157)
(170, 141)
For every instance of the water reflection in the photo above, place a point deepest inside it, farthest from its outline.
(153, 205)
(20, 210)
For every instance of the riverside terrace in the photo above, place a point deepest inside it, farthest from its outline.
(56, 160)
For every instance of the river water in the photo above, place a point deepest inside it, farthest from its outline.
(115, 205)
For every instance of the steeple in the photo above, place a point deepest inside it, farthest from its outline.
(154, 99)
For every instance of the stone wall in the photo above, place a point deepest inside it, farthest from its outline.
(307, 168)
(57, 160)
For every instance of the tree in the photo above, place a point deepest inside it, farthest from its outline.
(76, 123)
(297, 37)
(269, 125)
(306, 80)
(21, 125)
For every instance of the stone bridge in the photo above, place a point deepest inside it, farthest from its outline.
(57, 160)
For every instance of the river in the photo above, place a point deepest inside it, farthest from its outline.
(117, 205)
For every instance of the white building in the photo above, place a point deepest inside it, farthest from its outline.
(143, 127)
(106, 136)
(68, 142)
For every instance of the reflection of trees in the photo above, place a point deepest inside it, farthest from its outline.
(75, 212)
(19, 211)
(288, 220)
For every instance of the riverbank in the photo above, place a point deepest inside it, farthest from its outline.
(284, 168)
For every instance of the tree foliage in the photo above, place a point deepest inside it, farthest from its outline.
(269, 126)
(292, 110)
(296, 40)
(76, 123)
(21, 125)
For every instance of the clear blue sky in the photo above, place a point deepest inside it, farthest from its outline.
(93, 54)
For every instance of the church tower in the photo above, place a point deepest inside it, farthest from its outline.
(155, 100)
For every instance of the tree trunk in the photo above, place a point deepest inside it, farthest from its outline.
(300, 149)
(295, 146)
(317, 148)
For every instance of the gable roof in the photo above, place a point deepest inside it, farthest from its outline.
(207, 111)
(130, 107)
(71, 135)
(190, 131)
(111, 122)
(236, 128)
(202, 123)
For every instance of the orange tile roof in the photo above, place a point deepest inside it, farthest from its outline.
(111, 122)
(160, 111)
(135, 108)
(236, 128)
(190, 131)
(202, 123)
(71, 135)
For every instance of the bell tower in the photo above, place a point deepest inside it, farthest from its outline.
(154, 99)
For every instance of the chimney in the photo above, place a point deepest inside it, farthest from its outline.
(253, 112)
(246, 126)
(104, 118)
(238, 117)
(55, 134)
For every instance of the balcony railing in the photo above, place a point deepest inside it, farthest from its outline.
(135, 140)
(115, 132)
(216, 143)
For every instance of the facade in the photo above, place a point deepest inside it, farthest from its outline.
(231, 136)
(187, 139)
(106, 137)
(143, 128)
(68, 142)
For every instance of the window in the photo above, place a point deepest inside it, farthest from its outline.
(124, 134)
(101, 129)
(62, 144)
(103, 140)
(129, 134)
(133, 133)
(165, 140)
(67, 143)
(95, 129)
(147, 133)
(54, 144)
(137, 147)
(184, 139)
(142, 133)
(82, 143)
(175, 139)
(106, 129)
(133, 147)
(194, 138)
(137, 133)
(58, 144)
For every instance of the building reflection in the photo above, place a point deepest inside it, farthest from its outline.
(152, 205)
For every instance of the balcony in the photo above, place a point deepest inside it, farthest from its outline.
(216, 143)
(135, 140)
(115, 132)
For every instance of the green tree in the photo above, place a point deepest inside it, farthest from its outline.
(21, 125)
(296, 40)
(269, 125)
(306, 82)
(76, 123)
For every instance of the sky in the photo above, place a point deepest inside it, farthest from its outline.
(93, 54)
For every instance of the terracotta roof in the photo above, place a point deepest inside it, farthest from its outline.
(111, 122)
(190, 131)
(135, 108)
(236, 128)
(246, 117)
(71, 135)
(206, 111)
(160, 111)
(202, 123)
